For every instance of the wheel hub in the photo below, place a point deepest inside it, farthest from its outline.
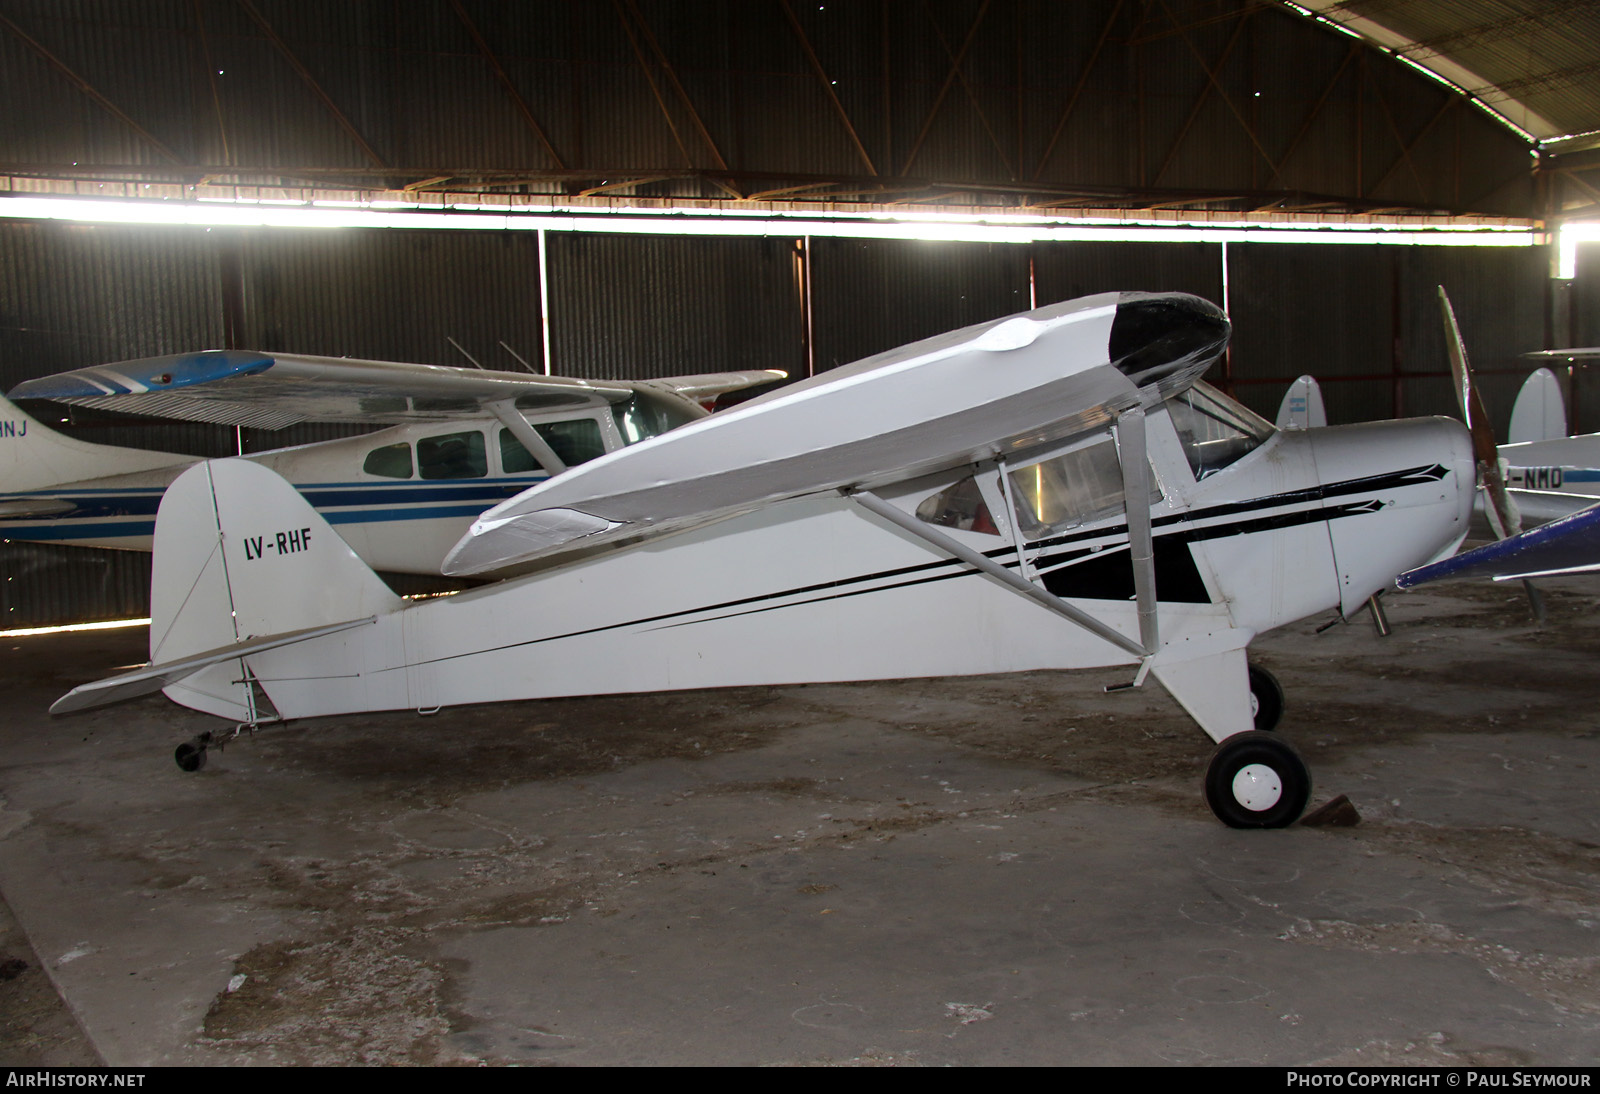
(1257, 787)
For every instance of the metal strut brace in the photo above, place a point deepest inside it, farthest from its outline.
(529, 437)
(1141, 547)
(928, 534)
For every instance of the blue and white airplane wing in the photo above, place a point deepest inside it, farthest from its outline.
(274, 390)
(1563, 547)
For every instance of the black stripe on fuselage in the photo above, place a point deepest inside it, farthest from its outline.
(945, 569)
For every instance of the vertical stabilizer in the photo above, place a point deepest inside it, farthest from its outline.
(35, 457)
(239, 554)
(1539, 414)
(1302, 406)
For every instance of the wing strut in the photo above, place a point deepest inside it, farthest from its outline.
(1136, 496)
(939, 540)
(537, 447)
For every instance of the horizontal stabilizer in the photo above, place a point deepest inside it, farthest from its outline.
(153, 678)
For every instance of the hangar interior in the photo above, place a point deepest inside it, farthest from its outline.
(582, 180)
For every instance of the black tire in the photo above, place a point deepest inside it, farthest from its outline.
(1266, 699)
(190, 756)
(1257, 780)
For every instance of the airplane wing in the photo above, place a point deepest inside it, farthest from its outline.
(274, 390)
(712, 384)
(1561, 356)
(1562, 547)
(986, 390)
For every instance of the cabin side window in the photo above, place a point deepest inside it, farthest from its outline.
(453, 456)
(1214, 430)
(1073, 488)
(392, 461)
(574, 442)
(960, 506)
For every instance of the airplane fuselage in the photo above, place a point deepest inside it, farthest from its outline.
(401, 496)
(816, 588)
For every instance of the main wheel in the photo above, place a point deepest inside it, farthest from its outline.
(191, 755)
(1266, 698)
(1257, 780)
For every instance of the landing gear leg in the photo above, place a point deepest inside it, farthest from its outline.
(1257, 780)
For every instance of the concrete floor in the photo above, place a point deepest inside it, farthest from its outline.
(993, 870)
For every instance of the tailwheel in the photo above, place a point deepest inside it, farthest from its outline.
(1266, 698)
(191, 755)
(1257, 780)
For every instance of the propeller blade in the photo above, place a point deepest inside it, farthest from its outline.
(1502, 509)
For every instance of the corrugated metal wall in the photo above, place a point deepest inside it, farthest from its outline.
(643, 307)
(1362, 319)
(1065, 271)
(1212, 100)
(1366, 322)
(872, 295)
(72, 296)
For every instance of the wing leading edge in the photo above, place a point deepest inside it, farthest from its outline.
(274, 390)
(1562, 547)
(997, 387)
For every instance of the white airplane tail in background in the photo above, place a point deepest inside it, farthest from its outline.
(1539, 414)
(1302, 406)
(36, 457)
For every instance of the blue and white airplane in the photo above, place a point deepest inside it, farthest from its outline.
(460, 440)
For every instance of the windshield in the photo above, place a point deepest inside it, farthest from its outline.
(646, 414)
(1215, 430)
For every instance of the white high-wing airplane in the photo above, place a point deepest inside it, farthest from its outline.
(1053, 490)
(461, 440)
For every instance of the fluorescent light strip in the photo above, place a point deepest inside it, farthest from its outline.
(944, 227)
(114, 624)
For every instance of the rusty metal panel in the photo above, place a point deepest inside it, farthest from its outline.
(873, 295)
(1065, 271)
(76, 295)
(643, 307)
(1500, 302)
(1365, 321)
(389, 296)
(393, 295)
(1326, 311)
(79, 295)
(43, 585)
